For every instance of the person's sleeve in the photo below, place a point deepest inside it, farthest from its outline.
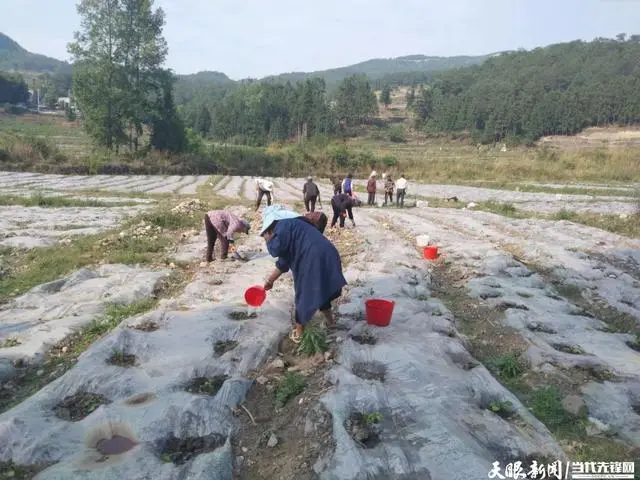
(278, 246)
(304, 189)
(282, 265)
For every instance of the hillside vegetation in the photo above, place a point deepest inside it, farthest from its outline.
(560, 89)
(15, 58)
(379, 68)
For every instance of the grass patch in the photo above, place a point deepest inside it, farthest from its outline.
(50, 201)
(313, 341)
(172, 221)
(64, 355)
(503, 408)
(373, 418)
(206, 386)
(509, 365)
(12, 471)
(506, 209)
(292, 385)
(546, 404)
(628, 226)
(10, 342)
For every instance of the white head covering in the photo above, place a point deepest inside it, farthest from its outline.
(274, 213)
(373, 174)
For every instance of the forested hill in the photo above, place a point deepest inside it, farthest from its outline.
(559, 89)
(380, 67)
(409, 70)
(15, 58)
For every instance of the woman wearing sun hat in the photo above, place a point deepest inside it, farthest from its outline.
(313, 260)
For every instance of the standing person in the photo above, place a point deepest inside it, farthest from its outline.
(314, 262)
(318, 219)
(342, 205)
(222, 224)
(347, 185)
(401, 191)
(372, 185)
(389, 185)
(311, 194)
(337, 185)
(263, 187)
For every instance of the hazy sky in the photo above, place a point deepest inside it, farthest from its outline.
(261, 37)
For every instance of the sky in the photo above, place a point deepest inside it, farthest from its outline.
(255, 38)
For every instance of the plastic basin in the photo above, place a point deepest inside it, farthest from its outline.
(255, 296)
(379, 312)
(430, 253)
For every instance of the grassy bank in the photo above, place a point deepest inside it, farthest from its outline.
(136, 245)
(31, 146)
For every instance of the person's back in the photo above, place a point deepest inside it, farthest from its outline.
(303, 240)
(310, 189)
(342, 201)
(401, 191)
(347, 185)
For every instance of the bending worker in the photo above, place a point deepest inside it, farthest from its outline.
(222, 224)
(314, 262)
(263, 187)
(342, 205)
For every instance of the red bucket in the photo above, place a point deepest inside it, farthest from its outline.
(430, 253)
(255, 296)
(379, 312)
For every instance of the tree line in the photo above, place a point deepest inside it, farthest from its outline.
(13, 89)
(257, 113)
(560, 89)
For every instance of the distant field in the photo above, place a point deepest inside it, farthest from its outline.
(597, 155)
(57, 130)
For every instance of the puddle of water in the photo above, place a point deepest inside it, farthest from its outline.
(115, 445)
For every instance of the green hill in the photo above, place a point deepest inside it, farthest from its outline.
(378, 68)
(15, 58)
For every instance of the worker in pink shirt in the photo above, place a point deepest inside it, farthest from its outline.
(222, 224)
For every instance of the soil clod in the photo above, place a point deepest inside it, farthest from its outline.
(206, 386)
(539, 327)
(146, 326)
(240, 315)
(222, 347)
(180, 450)
(140, 399)
(370, 370)
(365, 429)
(122, 359)
(76, 407)
(364, 338)
(565, 348)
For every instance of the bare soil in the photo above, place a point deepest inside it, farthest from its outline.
(78, 406)
(297, 451)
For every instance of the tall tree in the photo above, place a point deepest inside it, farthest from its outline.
(98, 81)
(385, 96)
(355, 100)
(203, 122)
(118, 53)
(167, 129)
